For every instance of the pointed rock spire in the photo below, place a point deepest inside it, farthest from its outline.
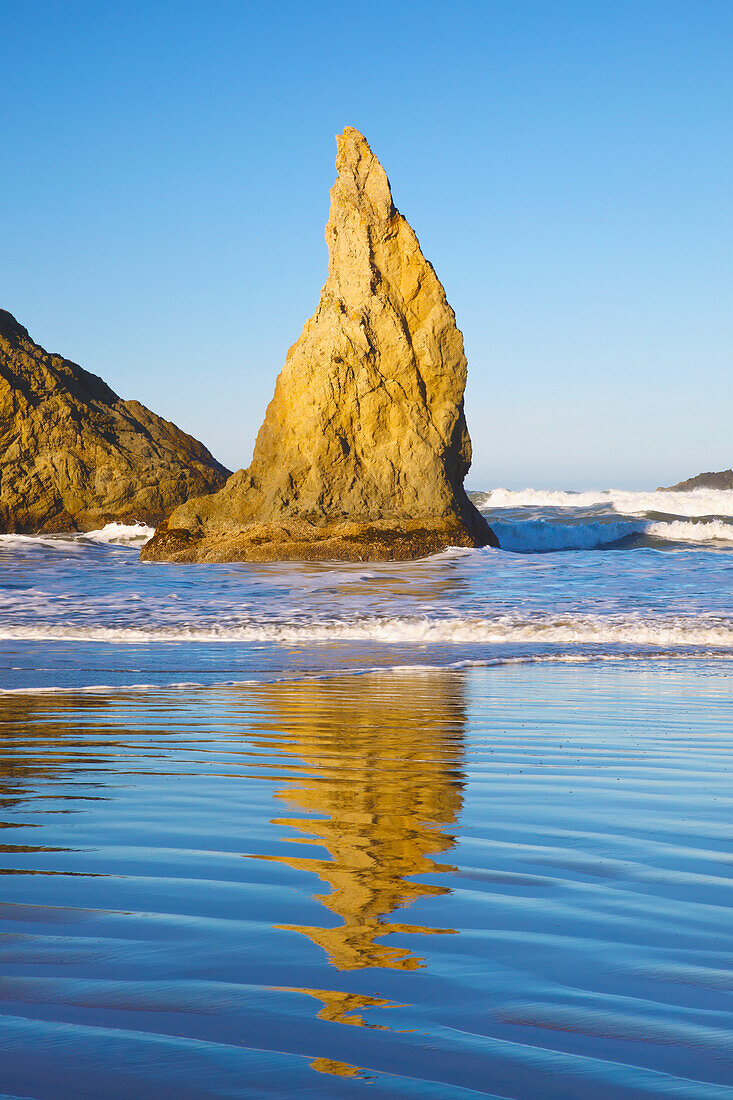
(364, 446)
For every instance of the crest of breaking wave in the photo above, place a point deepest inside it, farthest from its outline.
(580, 533)
(541, 521)
(113, 534)
(668, 632)
(696, 502)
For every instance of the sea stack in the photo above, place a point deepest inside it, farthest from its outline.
(75, 456)
(364, 447)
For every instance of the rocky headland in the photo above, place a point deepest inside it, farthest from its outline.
(364, 446)
(75, 456)
(723, 479)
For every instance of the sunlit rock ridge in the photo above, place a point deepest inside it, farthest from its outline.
(75, 456)
(364, 446)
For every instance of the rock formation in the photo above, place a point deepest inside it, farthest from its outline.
(721, 480)
(364, 446)
(74, 456)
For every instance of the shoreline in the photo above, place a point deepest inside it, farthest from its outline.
(696, 663)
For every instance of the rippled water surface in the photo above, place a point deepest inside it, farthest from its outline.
(509, 880)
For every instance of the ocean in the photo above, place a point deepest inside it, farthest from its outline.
(456, 827)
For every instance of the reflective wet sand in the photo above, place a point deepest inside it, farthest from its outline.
(511, 882)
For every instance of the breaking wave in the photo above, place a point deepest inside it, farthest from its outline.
(20, 542)
(696, 502)
(118, 534)
(655, 631)
(540, 534)
(127, 534)
(537, 535)
(683, 531)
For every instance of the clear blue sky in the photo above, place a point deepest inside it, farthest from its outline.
(568, 168)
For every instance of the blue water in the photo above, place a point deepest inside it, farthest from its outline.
(446, 828)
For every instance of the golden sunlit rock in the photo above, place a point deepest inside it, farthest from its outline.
(364, 446)
(75, 456)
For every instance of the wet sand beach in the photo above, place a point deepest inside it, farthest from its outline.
(510, 881)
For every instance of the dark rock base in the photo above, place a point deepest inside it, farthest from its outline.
(379, 540)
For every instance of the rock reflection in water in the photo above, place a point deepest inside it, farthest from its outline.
(38, 754)
(370, 769)
(381, 762)
(44, 736)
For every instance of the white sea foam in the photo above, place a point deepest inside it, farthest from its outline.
(126, 534)
(122, 534)
(669, 631)
(21, 542)
(685, 531)
(697, 502)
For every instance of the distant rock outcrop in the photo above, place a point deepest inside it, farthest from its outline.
(364, 446)
(74, 456)
(721, 480)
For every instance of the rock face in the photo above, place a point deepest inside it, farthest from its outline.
(364, 446)
(74, 456)
(721, 480)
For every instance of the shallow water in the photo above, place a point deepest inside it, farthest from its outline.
(237, 862)
(84, 611)
(509, 881)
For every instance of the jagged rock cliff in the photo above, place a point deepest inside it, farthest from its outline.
(74, 456)
(723, 479)
(364, 446)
